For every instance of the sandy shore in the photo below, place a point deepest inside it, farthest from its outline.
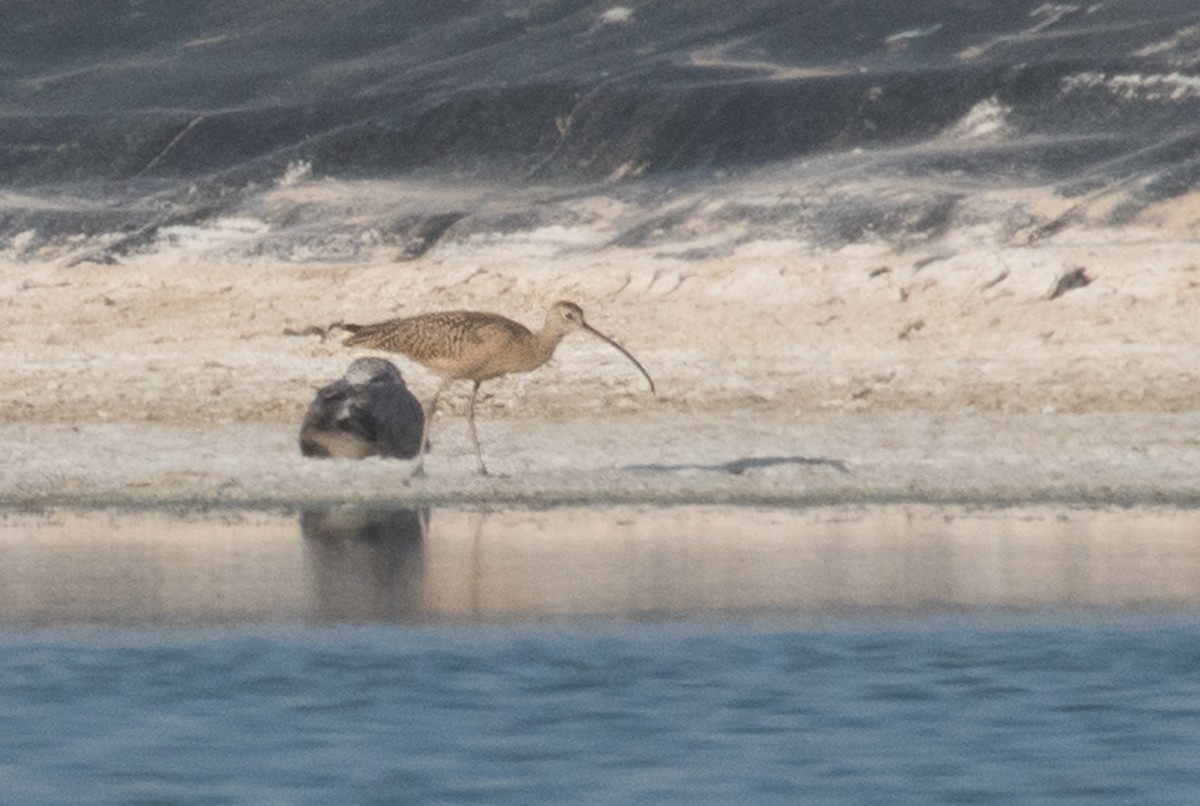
(862, 458)
(785, 375)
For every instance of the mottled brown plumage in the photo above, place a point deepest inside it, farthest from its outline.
(475, 346)
(457, 344)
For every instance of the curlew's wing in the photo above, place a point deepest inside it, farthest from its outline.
(448, 342)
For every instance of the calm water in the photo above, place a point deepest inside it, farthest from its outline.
(901, 655)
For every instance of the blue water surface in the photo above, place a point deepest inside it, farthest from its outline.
(980, 708)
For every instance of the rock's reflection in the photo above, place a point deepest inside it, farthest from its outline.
(142, 568)
(365, 565)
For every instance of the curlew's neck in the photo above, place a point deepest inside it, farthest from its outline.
(545, 341)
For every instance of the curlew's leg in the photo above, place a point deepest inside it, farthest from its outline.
(419, 470)
(471, 428)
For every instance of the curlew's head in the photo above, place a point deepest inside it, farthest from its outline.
(567, 317)
(564, 317)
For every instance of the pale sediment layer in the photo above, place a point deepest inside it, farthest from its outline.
(840, 458)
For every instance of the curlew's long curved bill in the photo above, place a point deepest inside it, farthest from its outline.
(623, 352)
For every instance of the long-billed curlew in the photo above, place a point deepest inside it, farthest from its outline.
(368, 412)
(474, 346)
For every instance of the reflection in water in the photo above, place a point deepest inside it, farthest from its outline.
(366, 565)
(610, 562)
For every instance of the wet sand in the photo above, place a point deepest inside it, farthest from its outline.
(965, 458)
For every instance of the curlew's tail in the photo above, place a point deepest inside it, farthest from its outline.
(393, 335)
(355, 332)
